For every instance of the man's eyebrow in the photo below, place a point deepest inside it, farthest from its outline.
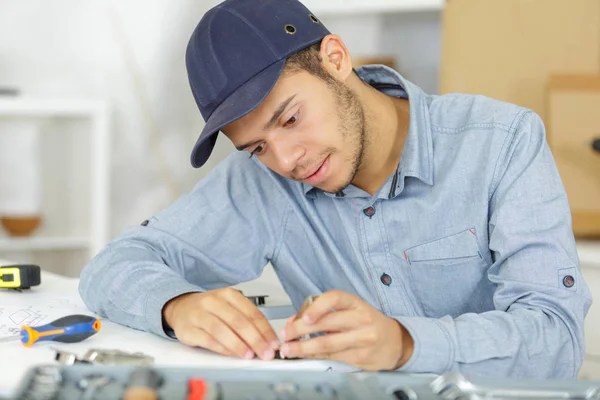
(278, 112)
(245, 146)
(272, 121)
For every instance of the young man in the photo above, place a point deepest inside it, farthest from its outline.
(435, 228)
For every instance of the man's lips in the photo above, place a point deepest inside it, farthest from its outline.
(314, 171)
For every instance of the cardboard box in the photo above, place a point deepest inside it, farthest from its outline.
(507, 49)
(573, 104)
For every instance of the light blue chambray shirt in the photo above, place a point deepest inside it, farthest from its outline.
(468, 245)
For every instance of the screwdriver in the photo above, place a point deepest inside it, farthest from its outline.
(69, 329)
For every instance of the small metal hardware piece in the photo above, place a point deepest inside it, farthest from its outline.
(454, 386)
(89, 384)
(44, 384)
(117, 357)
(104, 357)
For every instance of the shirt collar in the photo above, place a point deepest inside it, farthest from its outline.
(417, 154)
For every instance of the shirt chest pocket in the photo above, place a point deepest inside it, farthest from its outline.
(453, 249)
(448, 275)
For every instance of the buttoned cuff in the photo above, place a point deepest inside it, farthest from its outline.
(158, 297)
(433, 351)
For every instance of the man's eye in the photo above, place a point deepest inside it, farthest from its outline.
(292, 121)
(257, 150)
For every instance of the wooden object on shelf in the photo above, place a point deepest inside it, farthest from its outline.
(573, 125)
(20, 175)
(21, 226)
(507, 49)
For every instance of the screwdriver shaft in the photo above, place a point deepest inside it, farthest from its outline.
(10, 338)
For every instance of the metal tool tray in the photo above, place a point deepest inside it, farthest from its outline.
(55, 382)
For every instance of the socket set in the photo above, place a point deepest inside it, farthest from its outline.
(94, 382)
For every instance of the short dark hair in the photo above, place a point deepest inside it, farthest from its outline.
(309, 60)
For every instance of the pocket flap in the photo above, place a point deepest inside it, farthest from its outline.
(459, 245)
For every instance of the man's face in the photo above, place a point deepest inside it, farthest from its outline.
(307, 130)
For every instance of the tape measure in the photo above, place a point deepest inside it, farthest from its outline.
(22, 276)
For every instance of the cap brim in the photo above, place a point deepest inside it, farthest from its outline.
(240, 103)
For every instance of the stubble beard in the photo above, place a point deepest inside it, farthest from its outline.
(352, 127)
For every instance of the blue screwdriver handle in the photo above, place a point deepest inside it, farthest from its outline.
(69, 329)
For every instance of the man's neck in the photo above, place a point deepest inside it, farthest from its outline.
(386, 128)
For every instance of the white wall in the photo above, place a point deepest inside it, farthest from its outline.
(413, 39)
(132, 53)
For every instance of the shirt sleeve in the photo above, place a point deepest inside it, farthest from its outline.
(541, 299)
(220, 234)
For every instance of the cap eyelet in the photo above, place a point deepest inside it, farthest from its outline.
(313, 18)
(290, 29)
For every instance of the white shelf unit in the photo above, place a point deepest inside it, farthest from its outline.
(86, 188)
(357, 7)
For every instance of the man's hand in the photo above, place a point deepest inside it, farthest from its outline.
(223, 321)
(355, 333)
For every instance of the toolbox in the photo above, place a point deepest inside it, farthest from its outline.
(93, 382)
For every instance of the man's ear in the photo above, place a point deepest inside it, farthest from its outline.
(336, 57)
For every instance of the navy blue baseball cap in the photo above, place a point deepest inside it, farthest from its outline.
(236, 55)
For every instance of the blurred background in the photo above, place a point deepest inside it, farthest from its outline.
(97, 120)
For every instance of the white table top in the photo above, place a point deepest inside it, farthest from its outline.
(58, 296)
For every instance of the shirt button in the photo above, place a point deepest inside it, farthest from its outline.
(568, 281)
(369, 212)
(386, 279)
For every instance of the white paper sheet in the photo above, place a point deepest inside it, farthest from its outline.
(34, 309)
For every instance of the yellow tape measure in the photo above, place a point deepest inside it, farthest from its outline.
(22, 276)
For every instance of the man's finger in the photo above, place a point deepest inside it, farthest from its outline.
(337, 321)
(333, 300)
(246, 330)
(257, 318)
(200, 338)
(322, 345)
(228, 338)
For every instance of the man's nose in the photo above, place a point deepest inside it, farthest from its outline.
(287, 153)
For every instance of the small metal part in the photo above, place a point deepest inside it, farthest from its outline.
(285, 389)
(145, 377)
(405, 393)
(326, 390)
(278, 356)
(65, 357)
(89, 384)
(116, 357)
(290, 29)
(454, 386)
(103, 357)
(258, 300)
(143, 383)
(10, 338)
(44, 384)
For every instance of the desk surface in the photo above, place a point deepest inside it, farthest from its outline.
(60, 297)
